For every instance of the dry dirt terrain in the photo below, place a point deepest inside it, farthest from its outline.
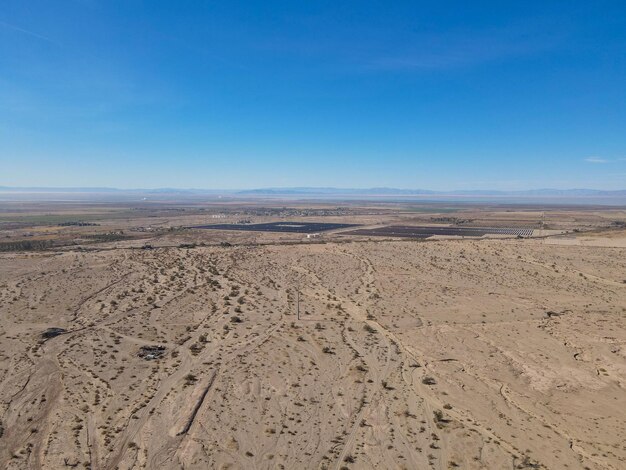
(459, 353)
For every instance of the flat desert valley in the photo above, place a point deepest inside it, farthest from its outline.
(131, 339)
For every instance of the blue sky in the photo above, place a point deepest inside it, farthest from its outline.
(227, 94)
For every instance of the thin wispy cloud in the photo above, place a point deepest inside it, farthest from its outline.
(4, 24)
(596, 160)
(466, 48)
(604, 160)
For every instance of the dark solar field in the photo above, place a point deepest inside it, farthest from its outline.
(288, 227)
(425, 232)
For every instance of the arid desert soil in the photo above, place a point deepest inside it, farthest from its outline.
(438, 354)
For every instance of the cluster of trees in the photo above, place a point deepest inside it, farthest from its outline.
(25, 245)
(77, 224)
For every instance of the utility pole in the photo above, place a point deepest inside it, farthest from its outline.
(298, 302)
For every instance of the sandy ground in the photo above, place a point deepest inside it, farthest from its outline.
(439, 354)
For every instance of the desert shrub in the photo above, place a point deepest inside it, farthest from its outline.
(367, 327)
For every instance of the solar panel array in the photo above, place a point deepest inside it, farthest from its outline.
(409, 231)
(286, 227)
(522, 232)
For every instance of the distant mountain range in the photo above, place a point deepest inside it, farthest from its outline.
(426, 192)
(325, 191)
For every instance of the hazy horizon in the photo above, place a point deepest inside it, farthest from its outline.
(304, 189)
(539, 197)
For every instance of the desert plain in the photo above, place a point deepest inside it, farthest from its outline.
(131, 340)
